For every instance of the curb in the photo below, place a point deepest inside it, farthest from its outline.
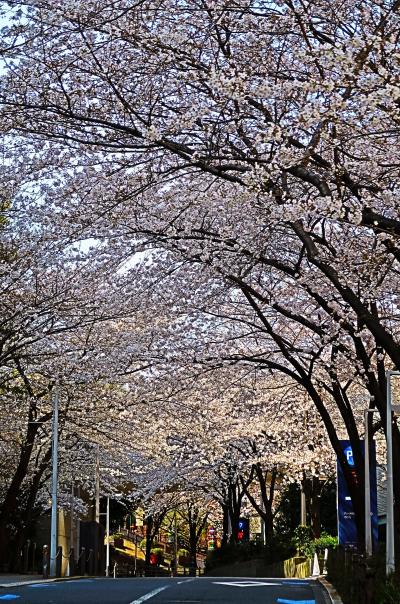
(333, 594)
(21, 583)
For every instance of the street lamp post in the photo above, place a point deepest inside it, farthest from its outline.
(136, 538)
(303, 503)
(54, 478)
(367, 485)
(303, 515)
(390, 560)
(107, 515)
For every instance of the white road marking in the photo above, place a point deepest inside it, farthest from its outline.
(244, 583)
(185, 581)
(282, 601)
(151, 594)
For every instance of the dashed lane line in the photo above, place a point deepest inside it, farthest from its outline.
(149, 595)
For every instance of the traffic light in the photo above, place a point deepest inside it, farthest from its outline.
(211, 537)
(243, 532)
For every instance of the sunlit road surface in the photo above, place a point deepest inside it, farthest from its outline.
(169, 591)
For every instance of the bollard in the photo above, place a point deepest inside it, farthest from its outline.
(315, 570)
(90, 562)
(25, 557)
(71, 562)
(82, 562)
(370, 581)
(325, 565)
(192, 571)
(45, 564)
(33, 557)
(58, 561)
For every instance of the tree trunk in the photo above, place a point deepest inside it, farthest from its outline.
(11, 518)
(225, 525)
(197, 523)
(234, 514)
(149, 543)
(267, 498)
(315, 498)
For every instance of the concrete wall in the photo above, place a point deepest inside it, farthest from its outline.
(293, 567)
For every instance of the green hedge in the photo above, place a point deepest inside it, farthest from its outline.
(308, 546)
(276, 550)
(357, 579)
(388, 592)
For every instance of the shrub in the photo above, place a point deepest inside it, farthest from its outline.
(306, 545)
(325, 542)
(389, 593)
(142, 545)
(159, 552)
(302, 539)
(276, 550)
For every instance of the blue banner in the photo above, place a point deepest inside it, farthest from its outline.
(347, 529)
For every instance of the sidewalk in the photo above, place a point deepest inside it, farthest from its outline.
(333, 594)
(19, 580)
(8, 580)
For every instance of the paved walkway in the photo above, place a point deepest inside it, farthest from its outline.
(5, 578)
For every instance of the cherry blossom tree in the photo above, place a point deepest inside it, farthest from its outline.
(257, 145)
(55, 305)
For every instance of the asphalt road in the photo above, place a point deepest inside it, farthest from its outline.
(168, 591)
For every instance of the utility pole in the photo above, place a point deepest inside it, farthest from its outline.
(390, 560)
(97, 487)
(175, 544)
(367, 486)
(71, 528)
(303, 501)
(108, 537)
(54, 478)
